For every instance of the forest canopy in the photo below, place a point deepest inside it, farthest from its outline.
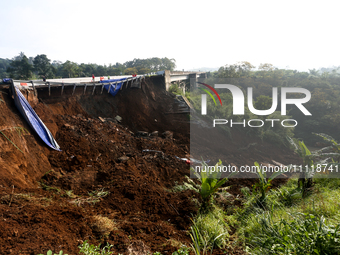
(23, 67)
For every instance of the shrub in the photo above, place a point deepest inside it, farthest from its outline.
(51, 253)
(210, 183)
(264, 183)
(88, 249)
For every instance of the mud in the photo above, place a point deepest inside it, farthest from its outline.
(47, 198)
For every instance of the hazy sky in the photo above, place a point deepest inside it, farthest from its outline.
(298, 34)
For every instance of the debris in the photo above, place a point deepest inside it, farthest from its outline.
(147, 150)
(154, 133)
(187, 161)
(142, 133)
(69, 126)
(198, 161)
(168, 134)
(118, 118)
(101, 119)
(111, 120)
(123, 159)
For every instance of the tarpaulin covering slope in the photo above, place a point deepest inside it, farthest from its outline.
(116, 84)
(33, 119)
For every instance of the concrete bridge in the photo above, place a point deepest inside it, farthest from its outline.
(193, 77)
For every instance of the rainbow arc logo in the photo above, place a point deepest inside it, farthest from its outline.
(208, 92)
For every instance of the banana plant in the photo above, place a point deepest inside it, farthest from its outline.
(308, 158)
(305, 178)
(335, 147)
(210, 183)
(264, 183)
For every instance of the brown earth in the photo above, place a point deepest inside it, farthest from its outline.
(45, 200)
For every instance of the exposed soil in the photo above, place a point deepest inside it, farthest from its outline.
(39, 212)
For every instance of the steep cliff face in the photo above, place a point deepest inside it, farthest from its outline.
(23, 157)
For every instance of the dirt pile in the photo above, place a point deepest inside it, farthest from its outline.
(109, 183)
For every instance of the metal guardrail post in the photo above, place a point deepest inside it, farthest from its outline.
(94, 88)
(85, 88)
(121, 87)
(102, 89)
(62, 88)
(74, 88)
(108, 91)
(33, 88)
(49, 88)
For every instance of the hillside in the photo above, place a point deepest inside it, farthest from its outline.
(44, 194)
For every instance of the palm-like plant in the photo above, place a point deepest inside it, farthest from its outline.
(210, 183)
(335, 147)
(308, 158)
(264, 183)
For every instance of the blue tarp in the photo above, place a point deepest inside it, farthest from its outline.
(115, 87)
(6, 80)
(33, 119)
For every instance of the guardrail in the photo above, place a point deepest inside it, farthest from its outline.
(34, 84)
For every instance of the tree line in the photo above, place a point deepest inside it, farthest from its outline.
(324, 85)
(22, 67)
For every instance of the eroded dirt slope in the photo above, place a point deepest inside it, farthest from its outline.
(44, 194)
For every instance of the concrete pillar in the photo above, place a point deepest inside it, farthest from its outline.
(167, 79)
(193, 80)
(202, 77)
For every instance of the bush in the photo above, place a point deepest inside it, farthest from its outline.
(88, 249)
(51, 253)
(175, 90)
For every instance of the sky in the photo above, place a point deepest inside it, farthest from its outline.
(295, 34)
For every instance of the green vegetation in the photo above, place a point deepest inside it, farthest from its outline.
(180, 251)
(334, 147)
(304, 225)
(23, 67)
(323, 105)
(264, 183)
(209, 230)
(87, 249)
(19, 130)
(210, 183)
(51, 253)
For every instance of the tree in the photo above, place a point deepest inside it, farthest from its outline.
(4, 64)
(263, 102)
(313, 72)
(20, 68)
(70, 69)
(266, 67)
(42, 65)
(131, 70)
(151, 64)
(240, 69)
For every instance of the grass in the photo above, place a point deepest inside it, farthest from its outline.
(209, 231)
(94, 197)
(103, 225)
(292, 224)
(19, 130)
